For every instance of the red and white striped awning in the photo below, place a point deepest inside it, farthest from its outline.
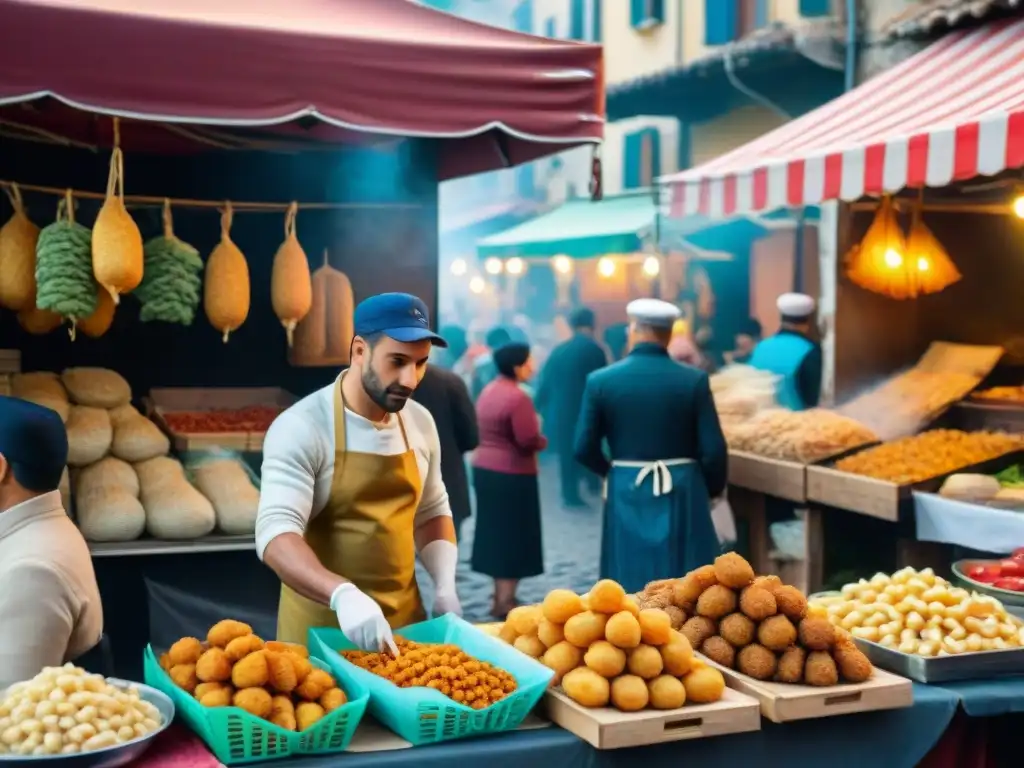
(951, 112)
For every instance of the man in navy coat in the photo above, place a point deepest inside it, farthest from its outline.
(668, 455)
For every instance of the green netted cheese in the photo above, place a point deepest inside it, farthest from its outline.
(64, 279)
(171, 287)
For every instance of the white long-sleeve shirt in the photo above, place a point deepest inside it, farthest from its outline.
(298, 462)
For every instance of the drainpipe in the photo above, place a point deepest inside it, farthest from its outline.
(851, 44)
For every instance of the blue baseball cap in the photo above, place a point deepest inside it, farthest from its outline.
(34, 442)
(400, 316)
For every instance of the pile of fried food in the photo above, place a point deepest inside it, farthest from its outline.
(1001, 394)
(929, 454)
(759, 626)
(917, 612)
(740, 391)
(271, 680)
(65, 711)
(443, 667)
(605, 650)
(801, 436)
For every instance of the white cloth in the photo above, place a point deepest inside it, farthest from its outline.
(655, 312)
(50, 609)
(298, 462)
(724, 520)
(361, 619)
(441, 558)
(795, 305)
(963, 524)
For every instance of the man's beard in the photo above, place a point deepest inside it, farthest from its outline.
(392, 398)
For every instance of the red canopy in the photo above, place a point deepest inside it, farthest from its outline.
(384, 67)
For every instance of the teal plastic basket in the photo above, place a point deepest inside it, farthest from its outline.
(236, 737)
(426, 716)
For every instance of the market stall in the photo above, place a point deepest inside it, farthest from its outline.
(259, 203)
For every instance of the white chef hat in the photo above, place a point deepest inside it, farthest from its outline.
(653, 312)
(795, 306)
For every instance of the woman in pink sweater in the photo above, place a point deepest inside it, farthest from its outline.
(507, 545)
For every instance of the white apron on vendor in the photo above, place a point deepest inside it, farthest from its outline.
(668, 455)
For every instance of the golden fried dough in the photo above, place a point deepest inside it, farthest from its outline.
(791, 601)
(333, 698)
(791, 665)
(255, 701)
(698, 629)
(184, 676)
(820, 669)
(757, 662)
(308, 714)
(733, 571)
(278, 647)
(185, 651)
(251, 672)
(316, 684)
(282, 713)
(221, 697)
(223, 632)
(716, 601)
(281, 671)
(757, 603)
(242, 646)
(776, 633)
(853, 665)
(719, 651)
(655, 626)
(816, 634)
(737, 630)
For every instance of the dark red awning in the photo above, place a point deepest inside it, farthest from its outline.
(383, 67)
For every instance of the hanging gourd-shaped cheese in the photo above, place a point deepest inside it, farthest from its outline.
(18, 257)
(98, 323)
(39, 322)
(226, 292)
(324, 336)
(291, 291)
(340, 321)
(116, 240)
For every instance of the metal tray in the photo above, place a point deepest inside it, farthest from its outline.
(111, 757)
(1007, 597)
(945, 669)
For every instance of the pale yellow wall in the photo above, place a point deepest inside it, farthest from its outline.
(629, 53)
(716, 137)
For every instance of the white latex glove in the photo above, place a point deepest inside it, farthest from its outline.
(441, 558)
(361, 619)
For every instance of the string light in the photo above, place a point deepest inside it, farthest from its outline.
(459, 267)
(493, 266)
(605, 267)
(563, 265)
(515, 266)
(652, 266)
(1018, 207)
(477, 284)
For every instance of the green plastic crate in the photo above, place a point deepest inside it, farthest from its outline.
(236, 737)
(426, 716)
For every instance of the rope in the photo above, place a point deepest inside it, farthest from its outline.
(289, 220)
(226, 217)
(167, 220)
(14, 195)
(66, 207)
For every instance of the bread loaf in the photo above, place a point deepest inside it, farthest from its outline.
(42, 388)
(136, 438)
(228, 487)
(89, 435)
(107, 507)
(96, 387)
(174, 508)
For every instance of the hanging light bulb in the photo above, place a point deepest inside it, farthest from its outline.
(1018, 206)
(515, 266)
(493, 266)
(605, 266)
(652, 266)
(477, 284)
(459, 267)
(893, 258)
(562, 264)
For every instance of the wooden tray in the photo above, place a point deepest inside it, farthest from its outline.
(176, 399)
(10, 361)
(607, 728)
(773, 477)
(881, 498)
(783, 703)
(5, 384)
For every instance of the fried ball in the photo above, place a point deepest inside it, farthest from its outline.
(585, 628)
(655, 626)
(632, 604)
(685, 592)
(204, 688)
(279, 647)
(719, 651)
(301, 665)
(698, 629)
(853, 665)
(676, 616)
(220, 697)
(524, 619)
(333, 698)
(223, 632)
(530, 645)
(645, 661)
(843, 637)
(733, 571)
(606, 596)
(242, 646)
(704, 685)
(185, 651)
(629, 693)
(282, 713)
(308, 714)
(316, 684)
(623, 630)
(251, 672)
(677, 655)
(757, 603)
(791, 665)
(666, 692)
(705, 576)
(769, 582)
(255, 701)
(213, 666)
(816, 634)
(550, 633)
(791, 601)
(716, 602)
(757, 662)
(165, 662)
(508, 633)
(587, 688)
(605, 659)
(281, 672)
(184, 676)
(562, 657)
(820, 669)
(560, 605)
(776, 633)
(737, 629)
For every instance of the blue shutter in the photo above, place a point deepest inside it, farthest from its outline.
(631, 160)
(656, 10)
(815, 7)
(646, 13)
(685, 159)
(522, 17)
(637, 12)
(577, 21)
(524, 181)
(655, 140)
(549, 28)
(595, 20)
(719, 22)
(761, 14)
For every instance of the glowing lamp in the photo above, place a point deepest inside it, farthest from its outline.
(562, 264)
(1018, 207)
(515, 266)
(652, 266)
(477, 284)
(605, 266)
(459, 267)
(493, 266)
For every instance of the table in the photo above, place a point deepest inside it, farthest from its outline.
(963, 524)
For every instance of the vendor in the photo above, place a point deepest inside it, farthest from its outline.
(792, 354)
(668, 454)
(351, 489)
(50, 610)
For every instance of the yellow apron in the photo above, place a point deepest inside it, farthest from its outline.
(365, 533)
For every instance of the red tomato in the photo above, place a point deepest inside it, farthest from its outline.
(1012, 567)
(1018, 552)
(993, 570)
(976, 572)
(1013, 583)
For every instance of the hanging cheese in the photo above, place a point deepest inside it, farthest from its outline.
(226, 294)
(116, 241)
(171, 283)
(291, 291)
(39, 322)
(64, 281)
(324, 337)
(18, 256)
(98, 323)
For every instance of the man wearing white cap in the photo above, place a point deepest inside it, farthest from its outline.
(792, 355)
(667, 454)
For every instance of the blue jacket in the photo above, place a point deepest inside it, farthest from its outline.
(797, 360)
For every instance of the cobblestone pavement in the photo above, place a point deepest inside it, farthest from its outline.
(572, 543)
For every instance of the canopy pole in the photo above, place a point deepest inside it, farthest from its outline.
(798, 251)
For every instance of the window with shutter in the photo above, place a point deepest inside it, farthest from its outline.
(577, 11)
(550, 29)
(595, 20)
(631, 161)
(650, 156)
(720, 21)
(524, 181)
(522, 16)
(751, 15)
(645, 14)
(815, 7)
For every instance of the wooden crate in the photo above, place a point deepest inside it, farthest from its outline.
(167, 400)
(607, 728)
(783, 703)
(10, 361)
(5, 384)
(773, 477)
